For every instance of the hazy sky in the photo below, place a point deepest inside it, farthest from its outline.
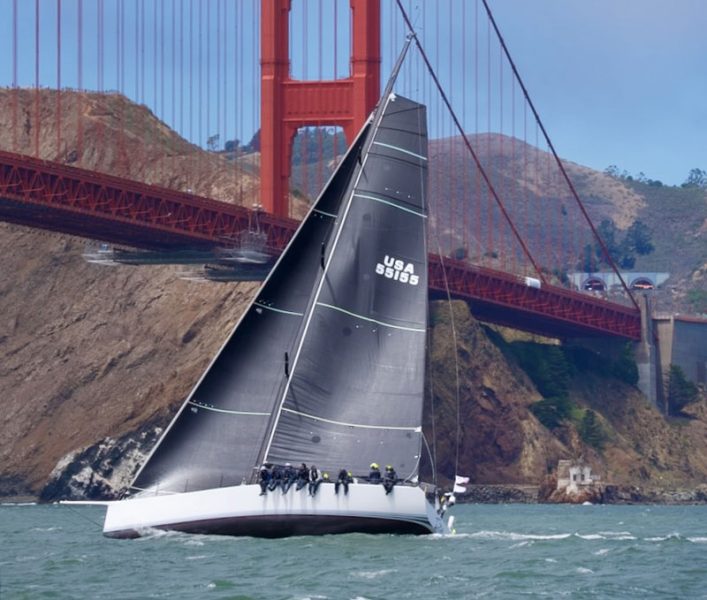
(616, 81)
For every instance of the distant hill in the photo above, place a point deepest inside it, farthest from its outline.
(528, 182)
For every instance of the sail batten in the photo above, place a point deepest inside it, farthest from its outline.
(354, 425)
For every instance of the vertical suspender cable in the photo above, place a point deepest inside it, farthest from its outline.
(191, 183)
(173, 81)
(490, 224)
(499, 173)
(200, 108)
(180, 70)
(15, 89)
(453, 193)
(79, 94)
(256, 103)
(465, 173)
(477, 176)
(36, 79)
(237, 103)
(124, 161)
(514, 177)
(239, 79)
(320, 76)
(57, 122)
(155, 107)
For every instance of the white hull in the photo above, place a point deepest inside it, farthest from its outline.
(241, 510)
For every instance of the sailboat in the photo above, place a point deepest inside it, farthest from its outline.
(325, 367)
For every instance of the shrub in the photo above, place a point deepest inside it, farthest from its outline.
(625, 367)
(552, 411)
(680, 391)
(591, 430)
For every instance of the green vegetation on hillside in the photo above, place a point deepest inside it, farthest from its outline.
(623, 248)
(680, 391)
(551, 368)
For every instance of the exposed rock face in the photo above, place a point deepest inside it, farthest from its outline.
(500, 440)
(103, 470)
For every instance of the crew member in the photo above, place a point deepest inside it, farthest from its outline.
(288, 478)
(313, 478)
(314, 485)
(275, 478)
(374, 475)
(390, 479)
(343, 478)
(302, 477)
(264, 475)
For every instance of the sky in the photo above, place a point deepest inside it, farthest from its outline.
(616, 82)
(620, 82)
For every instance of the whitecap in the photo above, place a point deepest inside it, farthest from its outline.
(523, 543)
(583, 570)
(196, 557)
(550, 560)
(515, 537)
(662, 538)
(372, 574)
(698, 540)
(590, 536)
(193, 542)
(601, 552)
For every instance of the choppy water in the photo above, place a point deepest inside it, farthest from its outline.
(502, 551)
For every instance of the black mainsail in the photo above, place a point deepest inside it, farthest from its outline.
(327, 364)
(356, 390)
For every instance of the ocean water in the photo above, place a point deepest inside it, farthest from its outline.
(499, 551)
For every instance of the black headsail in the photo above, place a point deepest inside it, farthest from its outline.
(355, 391)
(218, 436)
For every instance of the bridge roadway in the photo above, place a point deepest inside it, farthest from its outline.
(46, 195)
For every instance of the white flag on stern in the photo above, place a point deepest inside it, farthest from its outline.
(459, 484)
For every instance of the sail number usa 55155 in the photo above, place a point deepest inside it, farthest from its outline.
(397, 270)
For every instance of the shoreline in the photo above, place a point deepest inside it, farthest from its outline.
(531, 494)
(600, 494)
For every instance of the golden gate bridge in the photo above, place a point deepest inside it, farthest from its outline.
(506, 223)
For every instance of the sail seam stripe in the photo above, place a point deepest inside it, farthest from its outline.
(399, 149)
(279, 310)
(389, 203)
(347, 312)
(356, 425)
(230, 412)
(326, 214)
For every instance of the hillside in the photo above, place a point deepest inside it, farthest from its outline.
(538, 201)
(94, 360)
